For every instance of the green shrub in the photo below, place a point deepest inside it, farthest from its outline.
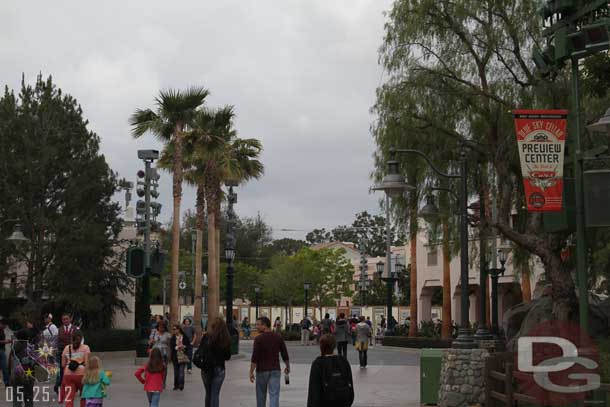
(291, 335)
(109, 340)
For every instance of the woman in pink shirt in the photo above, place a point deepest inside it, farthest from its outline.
(73, 360)
(151, 375)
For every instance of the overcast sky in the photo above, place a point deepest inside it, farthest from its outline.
(301, 74)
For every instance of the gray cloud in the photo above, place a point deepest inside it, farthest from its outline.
(301, 74)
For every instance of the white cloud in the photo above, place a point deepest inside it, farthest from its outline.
(301, 74)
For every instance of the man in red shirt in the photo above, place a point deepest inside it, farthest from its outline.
(265, 360)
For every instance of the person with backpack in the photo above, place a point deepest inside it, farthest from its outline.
(305, 331)
(342, 335)
(213, 351)
(330, 378)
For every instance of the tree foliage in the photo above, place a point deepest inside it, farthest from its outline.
(54, 179)
(454, 72)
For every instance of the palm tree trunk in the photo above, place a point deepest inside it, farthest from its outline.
(446, 329)
(218, 250)
(413, 287)
(213, 281)
(174, 305)
(198, 255)
(526, 286)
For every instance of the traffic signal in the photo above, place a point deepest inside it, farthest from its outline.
(157, 262)
(135, 262)
(574, 29)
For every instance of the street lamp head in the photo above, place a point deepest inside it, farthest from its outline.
(17, 236)
(230, 253)
(503, 251)
(257, 290)
(430, 212)
(193, 235)
(393, 183)
(602, 125)
(380, 266)
(204, 281)
(399, 267)
(306, 285)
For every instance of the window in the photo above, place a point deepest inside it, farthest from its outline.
(432, 256)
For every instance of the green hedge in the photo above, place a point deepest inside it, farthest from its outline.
(109, 340)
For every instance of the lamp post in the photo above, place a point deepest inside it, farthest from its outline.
(495, 274)
(306, 287)
(193, 241)
(464, 339)
(257, 293)
(230, 256)
(394, 186)
(392, 277)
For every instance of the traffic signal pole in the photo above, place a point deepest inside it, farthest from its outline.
(581, 248)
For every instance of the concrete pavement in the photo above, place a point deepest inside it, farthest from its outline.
(391, 379)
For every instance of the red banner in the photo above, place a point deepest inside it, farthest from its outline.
(541, 136)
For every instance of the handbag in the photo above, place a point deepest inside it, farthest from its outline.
(73, 364)
(181, 356)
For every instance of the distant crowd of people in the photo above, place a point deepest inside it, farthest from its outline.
(81, 378)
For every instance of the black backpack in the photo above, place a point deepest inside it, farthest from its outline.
(337, 387)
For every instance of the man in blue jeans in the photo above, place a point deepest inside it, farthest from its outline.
(265, 360)
(3, 358)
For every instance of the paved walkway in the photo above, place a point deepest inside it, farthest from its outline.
(391, 379)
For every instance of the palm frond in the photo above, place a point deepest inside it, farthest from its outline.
(143, 121)
(178, 104)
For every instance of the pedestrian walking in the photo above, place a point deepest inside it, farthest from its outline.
(191, 336)
(245, 327)
(305, 331)
(327, 325)
(64, 338)
(330, 378)
(342, 335)
(3, 358)
(265, 361)
(370, 324)
(160, 339)
(152, 376)
(363, 332)
(352, 325)
(73, 361)
(50, 331)
(277, 325)
(178, 345)
(316, 332)
(95, 383)
(214, 350)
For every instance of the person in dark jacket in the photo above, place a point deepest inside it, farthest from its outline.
(178, 345)
(323, 392)
(216, 345)
(342, 334)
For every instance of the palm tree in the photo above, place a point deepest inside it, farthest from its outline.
(212, 155)
(175, 110)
